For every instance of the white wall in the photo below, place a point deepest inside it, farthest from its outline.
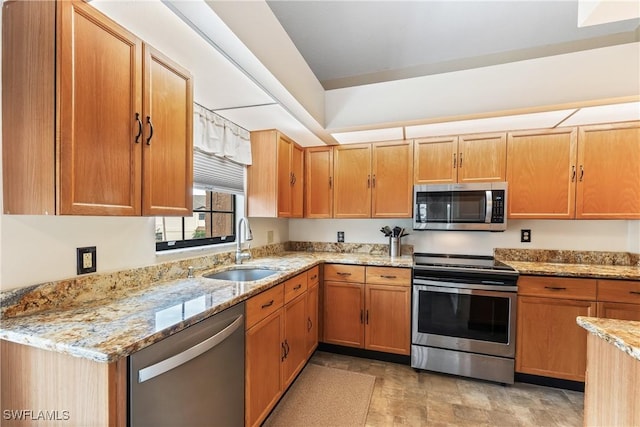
(546, 234)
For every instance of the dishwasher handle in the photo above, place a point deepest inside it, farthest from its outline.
(172, 362)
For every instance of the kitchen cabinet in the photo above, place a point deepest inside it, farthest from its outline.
(275, 180)
(549, 342)
(619, 299)
(42, 380)
(318, 182)
(541, 172)
(276, 344)
(113, 134)
(608, 184)
(368, 308)
(459, 159)
(373, 180)
(313, 299)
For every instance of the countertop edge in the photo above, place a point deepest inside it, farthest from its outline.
(611, 331)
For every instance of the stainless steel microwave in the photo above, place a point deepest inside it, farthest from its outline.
(477, 206)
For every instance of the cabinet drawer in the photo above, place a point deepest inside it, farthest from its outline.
(557, 287)
(344, 273)
(262, 305)
(313, 275)
(295, 286)
(389, 276)
(625, 291)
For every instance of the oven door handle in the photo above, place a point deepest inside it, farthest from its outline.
(484, 292)
(459, 287)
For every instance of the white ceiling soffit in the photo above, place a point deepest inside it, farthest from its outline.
(573, 79)
(217, 82)
(373, 135)
(272, 117)
(605, 114)
(595, 12)
(547, 119)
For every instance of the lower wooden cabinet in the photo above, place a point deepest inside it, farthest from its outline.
(549, 342)
(375, 315)
(277, 343)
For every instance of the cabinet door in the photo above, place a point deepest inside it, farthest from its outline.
(285, 177)
(435, 160)
(549, 342)
(482, 158)
(167, 137)
(100, 96)
(319, 182)
(295, 338)
(616, 310)
(263, 356)
(388, 318)
(352, 192)
(344, 313)
(609, 172)
(313, 294)
(297, 186)
(392, 180)
(541, 171)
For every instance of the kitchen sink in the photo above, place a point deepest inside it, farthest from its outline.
(241, 274)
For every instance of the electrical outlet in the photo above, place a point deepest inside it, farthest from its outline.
(340, 236)
(525, 236)
(269, 236)
(86, 260)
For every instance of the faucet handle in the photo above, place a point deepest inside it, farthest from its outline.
(190, 272)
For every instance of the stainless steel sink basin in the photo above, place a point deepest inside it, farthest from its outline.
(241, 274)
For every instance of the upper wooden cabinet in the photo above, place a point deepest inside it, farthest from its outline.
(112, 116)
(373, 180)
(275, 180)
(608, 184)
(591, 172)
(541, 167)
(467, 158)
(318, 200)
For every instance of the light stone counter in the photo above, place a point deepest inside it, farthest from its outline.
(624, 334)
(107, 329)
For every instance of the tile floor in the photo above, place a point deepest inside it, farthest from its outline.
(404, 397)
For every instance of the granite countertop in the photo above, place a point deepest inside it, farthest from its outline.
(594, 271)
(624, 334)
(105, 331)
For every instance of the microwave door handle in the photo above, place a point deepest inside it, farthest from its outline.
(489, 210)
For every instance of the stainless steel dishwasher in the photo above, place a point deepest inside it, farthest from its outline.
(193, 378)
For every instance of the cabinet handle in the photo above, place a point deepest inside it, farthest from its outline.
(368, 181)
(387, 277)
(555, 288)
(330, 182)
(309, 324)
(139, 128)
(634, 292)
(374, 180)
(284, 352)
(581, 173)
(367, 318)
(287, 348)
(454, 160)
(269, 304)
(314, 277)
(460, 164)
(293, 179)
(361, 316)
(573, 173)
(150, 130)
(342, 273)
(295, 288)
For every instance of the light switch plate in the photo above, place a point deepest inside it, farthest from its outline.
(86, 260)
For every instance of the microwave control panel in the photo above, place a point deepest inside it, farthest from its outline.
(497, 214)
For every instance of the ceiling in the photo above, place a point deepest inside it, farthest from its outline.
(395, 68)
(349, 43)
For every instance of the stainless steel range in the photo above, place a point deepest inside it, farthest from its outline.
(464, 316)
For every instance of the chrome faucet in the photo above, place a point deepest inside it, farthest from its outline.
(240, 254)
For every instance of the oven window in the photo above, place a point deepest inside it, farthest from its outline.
(452, 206)
(477, 317)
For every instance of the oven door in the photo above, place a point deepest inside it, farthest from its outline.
(472, 320)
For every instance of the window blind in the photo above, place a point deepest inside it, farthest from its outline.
(214, 173)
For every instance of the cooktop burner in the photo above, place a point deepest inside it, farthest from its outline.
(462, 268)
(464, 261)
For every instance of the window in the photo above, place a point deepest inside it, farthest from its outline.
(213, 222)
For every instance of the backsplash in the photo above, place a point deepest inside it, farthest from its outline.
(568, 257)
(347, 248)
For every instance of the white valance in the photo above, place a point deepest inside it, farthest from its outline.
(215, 135)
